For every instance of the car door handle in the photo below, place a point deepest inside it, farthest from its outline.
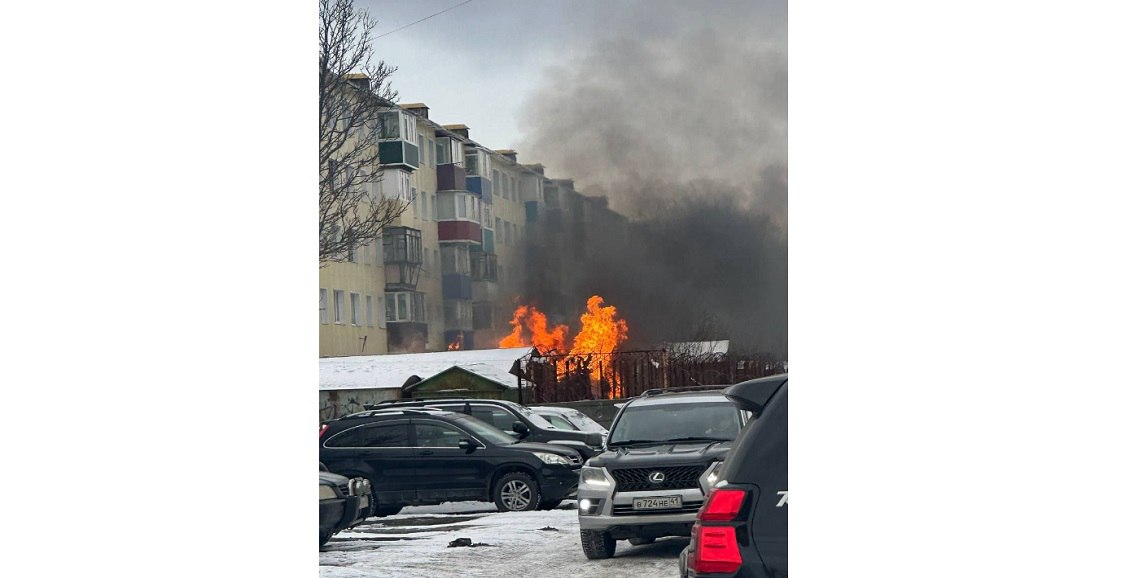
(426, 452)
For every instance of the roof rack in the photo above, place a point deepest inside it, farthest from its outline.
(388, 402)
(688, 388)
(388, 410)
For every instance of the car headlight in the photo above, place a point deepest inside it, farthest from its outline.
(594, 478)
(552, 458)
(326, 492)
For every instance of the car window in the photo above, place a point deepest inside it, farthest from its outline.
(434, 435)
(495, 416)
(558, 421)
(371, 436)
(485, 431)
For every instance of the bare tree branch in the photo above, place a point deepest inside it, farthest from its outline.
(352, 91)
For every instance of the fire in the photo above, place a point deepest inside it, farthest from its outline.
(601, 333)
(457, 344)
(537, 326)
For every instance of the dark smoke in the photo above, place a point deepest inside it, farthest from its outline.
(678, 114)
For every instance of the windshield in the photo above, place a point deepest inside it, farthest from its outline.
(485, 431)
(676, 421)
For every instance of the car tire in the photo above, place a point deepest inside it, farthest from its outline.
(641, 541)
(323, 538)
(597, 545)
(516, 492)
(551, 504)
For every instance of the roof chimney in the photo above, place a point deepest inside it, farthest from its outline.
(417, 108)
(459, 129)
(508, 153)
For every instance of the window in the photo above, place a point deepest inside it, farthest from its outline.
(382, 315)
(365, 259)
(354, 309)
(434, 435)
(505, 187)
(446, 203)
(389, 125)
(339, 306)
(513, 188)
(495, 416)
(435, 215)
(424, 200)
(404, 306)
(323, 306)
(456, 259)
(415, 205)
(498, 226)
(369, 310)
(494, 177)
(372, 436)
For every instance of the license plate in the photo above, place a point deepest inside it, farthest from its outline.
(657, 503)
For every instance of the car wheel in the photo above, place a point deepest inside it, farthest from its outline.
(641, 541)
(549, 505)
(323, 537)
(516, 492)
(597, 545)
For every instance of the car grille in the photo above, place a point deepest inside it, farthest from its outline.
(628, 511)
(675, 478)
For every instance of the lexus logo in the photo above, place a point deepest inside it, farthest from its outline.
(656, 477)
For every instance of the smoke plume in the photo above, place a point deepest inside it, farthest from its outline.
(678, 113)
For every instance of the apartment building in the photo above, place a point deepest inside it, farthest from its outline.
(479, 232)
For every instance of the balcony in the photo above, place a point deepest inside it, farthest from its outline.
(456, 286)
(398, 153)
(484, 266)
(459, 232)
(403, 257)
(451, 177)
(488, 241)
(481, 186)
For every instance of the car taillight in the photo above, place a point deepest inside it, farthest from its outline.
(722, 505)
(716, 550)
(325, 427)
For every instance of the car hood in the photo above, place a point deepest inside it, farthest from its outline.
(647, 455)
(547, 448)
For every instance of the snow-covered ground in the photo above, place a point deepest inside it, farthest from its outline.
(415, 543)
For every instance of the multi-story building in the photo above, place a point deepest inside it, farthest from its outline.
(479, 231)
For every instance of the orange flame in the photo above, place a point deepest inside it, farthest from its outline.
(457, 344)
(537, 327)
(600, 332)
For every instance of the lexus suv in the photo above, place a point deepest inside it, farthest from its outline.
(743, 530)
(661, 457)
(418, 456)
(509, 417)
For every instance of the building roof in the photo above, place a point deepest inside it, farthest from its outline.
(393, 370)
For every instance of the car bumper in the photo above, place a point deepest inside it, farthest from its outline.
(339, 514)
(559, 483)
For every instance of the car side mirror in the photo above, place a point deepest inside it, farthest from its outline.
(522, 429)
(467, 445)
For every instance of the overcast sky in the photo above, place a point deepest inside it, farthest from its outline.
(478, 64)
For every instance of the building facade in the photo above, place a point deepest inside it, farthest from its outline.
(479, 231)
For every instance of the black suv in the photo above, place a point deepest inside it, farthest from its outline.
(743, 530)
(662, 453)
(509, 416)
(416, 456)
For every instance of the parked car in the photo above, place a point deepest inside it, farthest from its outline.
(661, 457)
(743, 529)
(417, 456)
(510, 417)
(344, 503)
(569, 418)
